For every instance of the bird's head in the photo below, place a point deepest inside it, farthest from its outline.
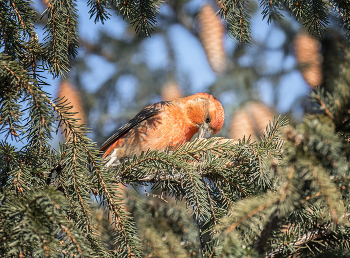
(205, 112)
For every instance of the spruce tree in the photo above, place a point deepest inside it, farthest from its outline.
(285, 194)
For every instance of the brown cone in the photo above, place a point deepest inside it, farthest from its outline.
(252, 120)
(211, 35)
(170, 91)
(307, 52)
(241, 125)
(46, 3)
(261, 115)
(69, 92)
(220, 4)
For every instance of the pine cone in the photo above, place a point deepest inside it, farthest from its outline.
(46, 2)
(261, 115)
(307, 52)
(220, 4)
(252, 120)
(211, 35)
(170, 91)
(241, 125)
(67, 90)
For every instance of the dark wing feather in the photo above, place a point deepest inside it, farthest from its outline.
(141, 116)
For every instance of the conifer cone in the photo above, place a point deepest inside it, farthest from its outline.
(252, 120)
(67, 90)
(45, 2)
(261, 115)
(170, 91)
(241, 125)
(219, 4)
(211, 35)
(307, 52)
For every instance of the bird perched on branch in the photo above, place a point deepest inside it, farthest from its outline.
(166, 124)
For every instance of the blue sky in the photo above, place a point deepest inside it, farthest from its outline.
(190, 57)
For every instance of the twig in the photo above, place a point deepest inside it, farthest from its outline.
(18, 15)
(65, 229)
(323, 105)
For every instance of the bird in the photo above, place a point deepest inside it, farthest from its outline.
(165, 125)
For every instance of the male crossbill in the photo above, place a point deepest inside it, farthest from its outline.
(165, 124)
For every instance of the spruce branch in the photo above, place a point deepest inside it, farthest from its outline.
(321, 231)
(39, 215)
(61, 19)
(144, 160)
(54, 65)
(144, 16)
(18, 14)
(67, 231)
(21, 77)
(76, 183)
(3, 28)
(316, 18)
(165, 228)
(238, 19)
(128, 235)
(17, 19)
(330, 192)
(263, 206)
(43, 124)
(124, 231)
(11, 114)
(14, 78)
(25, 16)
(210, 203)
(270, 226)
(98, 8)
(190, 165)
(72, 29)
(272, 10)
(18, 181)
(298, 8)
(236, 186)
(342, 8)
(125, 8)
(314, 136)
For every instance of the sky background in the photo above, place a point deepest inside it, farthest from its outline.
(190, 54)
(190, 57)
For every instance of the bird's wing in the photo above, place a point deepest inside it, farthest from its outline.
(141, 116)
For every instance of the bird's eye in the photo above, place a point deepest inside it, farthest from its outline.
(207, 120)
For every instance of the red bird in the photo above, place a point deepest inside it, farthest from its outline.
(165, 124)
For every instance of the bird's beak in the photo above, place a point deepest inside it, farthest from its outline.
(204, 131)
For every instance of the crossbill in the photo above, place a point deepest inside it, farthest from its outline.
(166, 124)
